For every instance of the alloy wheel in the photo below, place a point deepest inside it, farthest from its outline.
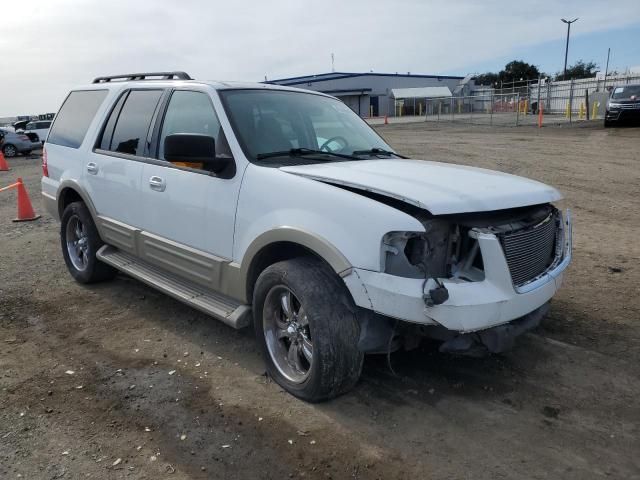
(287, 334)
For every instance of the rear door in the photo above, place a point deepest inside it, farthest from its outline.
(114, 168)
(189, 213)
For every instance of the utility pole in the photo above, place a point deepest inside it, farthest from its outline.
(566, 49)
(606, 70)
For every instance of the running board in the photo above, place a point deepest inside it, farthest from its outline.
(219, 306)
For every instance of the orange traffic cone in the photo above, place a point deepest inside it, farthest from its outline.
(4, 167)
(25, 210)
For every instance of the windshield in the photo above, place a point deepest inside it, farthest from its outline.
(626, 92)
(270, 121)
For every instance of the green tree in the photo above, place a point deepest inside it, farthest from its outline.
(513, 71)
(580, 69)
(488, 78)
(518, 70)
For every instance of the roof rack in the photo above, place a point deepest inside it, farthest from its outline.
(144, 76)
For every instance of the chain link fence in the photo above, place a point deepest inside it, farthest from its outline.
(517, 103)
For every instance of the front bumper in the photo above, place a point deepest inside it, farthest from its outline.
(471, 306)
(621, 115)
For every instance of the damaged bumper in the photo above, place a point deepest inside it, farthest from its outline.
(494, 340)
(472, 306)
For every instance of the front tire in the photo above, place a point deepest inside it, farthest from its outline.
(80, 242)
(306, 325)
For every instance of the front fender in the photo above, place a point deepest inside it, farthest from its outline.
(345, 228)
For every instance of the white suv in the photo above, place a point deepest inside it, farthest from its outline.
(254, 201)
(40, 128)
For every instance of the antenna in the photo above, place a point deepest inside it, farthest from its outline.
(333, 65)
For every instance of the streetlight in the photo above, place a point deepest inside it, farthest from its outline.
(566, 50)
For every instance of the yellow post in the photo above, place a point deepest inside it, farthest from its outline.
(594, 110)
(567, 112)
(420, 108)
(526, 106)
(581, 113)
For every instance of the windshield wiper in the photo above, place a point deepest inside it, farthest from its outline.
(377, 151)
(301, 152)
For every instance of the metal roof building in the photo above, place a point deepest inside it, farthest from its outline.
(371, 94)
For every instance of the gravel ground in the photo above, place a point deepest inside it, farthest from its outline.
(116, 380)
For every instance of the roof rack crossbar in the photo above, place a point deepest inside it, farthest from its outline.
(144, 76)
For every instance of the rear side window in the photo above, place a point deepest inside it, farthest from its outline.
(75, 116)
(132, 124)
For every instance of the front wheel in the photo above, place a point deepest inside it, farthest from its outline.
(80, 242)
(305, 322)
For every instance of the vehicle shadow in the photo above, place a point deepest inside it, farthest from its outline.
(421, 375)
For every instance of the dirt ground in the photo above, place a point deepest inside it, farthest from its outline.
(119, 381)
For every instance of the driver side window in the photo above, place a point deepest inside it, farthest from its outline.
(192, 112)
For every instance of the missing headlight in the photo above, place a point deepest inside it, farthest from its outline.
(419, 255)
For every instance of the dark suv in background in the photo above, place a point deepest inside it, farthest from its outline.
(623, 105)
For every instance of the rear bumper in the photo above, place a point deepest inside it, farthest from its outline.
(472, 306)
(28, 146)
(49, 189)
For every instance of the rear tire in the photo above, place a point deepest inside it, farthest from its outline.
(9, 150)
(80, 242)
(322, 328)
(608, 124)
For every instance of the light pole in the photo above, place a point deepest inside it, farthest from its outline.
(566, 49)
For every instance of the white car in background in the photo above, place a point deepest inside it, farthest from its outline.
(281, 206)
(40, 128)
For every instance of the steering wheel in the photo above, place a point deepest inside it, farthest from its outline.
(337, 139)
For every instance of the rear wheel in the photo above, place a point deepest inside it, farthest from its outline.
(9, 150)
(305, 322)
(80, 242)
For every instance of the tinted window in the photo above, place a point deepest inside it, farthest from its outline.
(130, 134)
(107, 134)
(192, 112)
(75, 116)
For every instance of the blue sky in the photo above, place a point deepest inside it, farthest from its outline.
(53, 46)
(549, 56)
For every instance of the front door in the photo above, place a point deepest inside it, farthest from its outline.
(189, 213)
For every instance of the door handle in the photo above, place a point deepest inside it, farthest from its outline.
(158, 184)
(92, 168)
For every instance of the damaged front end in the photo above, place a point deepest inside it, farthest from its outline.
(448, 254)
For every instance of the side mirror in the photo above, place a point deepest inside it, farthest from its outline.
(195, 149)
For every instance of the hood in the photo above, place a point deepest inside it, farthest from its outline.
(440, 188)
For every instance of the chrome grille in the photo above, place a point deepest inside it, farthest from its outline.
(531, 251)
